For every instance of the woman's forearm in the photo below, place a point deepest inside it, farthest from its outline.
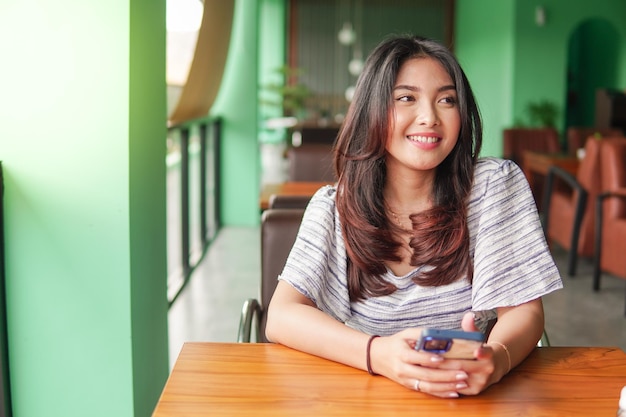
(306, 328)
(516, 334)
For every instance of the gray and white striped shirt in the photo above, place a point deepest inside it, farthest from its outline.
(512, 262)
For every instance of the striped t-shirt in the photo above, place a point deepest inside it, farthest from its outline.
(512, 262)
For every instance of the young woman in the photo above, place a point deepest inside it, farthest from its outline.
(417, 233)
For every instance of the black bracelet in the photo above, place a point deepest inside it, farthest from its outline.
(368, 359)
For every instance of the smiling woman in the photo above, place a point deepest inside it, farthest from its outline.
(418, 232)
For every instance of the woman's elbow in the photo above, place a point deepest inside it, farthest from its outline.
(271, 327)
(282, 311)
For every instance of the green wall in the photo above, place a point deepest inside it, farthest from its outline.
(484, 47)
(83, 127)
(541, 52)
(512, 61)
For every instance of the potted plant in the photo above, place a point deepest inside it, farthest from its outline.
(539, 134)
(282, 106)
(543, 113)
(286, 95)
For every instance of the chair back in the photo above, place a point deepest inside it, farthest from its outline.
(589, 179)
(518, 140)
(589, 168)
(281, 201)
(577, 136)
(613, 173)
(571, 204)
(611, 212)
(279, 228)
(312, 162)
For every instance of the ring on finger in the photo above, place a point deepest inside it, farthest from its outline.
(416, 386)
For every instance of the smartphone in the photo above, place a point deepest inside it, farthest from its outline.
(452, 344)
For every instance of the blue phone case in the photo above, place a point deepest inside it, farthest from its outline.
(453, 344)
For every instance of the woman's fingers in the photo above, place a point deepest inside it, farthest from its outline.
(447, 389)
(434, 381)
(478, 371)
(430, 373)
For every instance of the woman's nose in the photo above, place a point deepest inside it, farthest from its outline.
(427, 115)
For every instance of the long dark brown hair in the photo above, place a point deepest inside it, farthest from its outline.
(440, 237)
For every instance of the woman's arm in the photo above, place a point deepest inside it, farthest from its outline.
(511, 340)
(293, 320)
(519, 329)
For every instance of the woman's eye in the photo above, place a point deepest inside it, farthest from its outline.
(405, 98)
(448, 100)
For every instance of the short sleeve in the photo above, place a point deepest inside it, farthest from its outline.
(316, 266)
(512, 261)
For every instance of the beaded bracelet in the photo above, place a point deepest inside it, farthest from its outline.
(506, 350)
(368, 359)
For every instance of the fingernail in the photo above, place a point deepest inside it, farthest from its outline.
(461, 375)
(462, 385)
(453, 395)
(436, 359)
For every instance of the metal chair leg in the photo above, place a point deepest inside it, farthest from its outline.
(544, 341)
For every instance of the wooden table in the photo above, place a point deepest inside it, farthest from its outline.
(299, 188)
(229, 379)
(536, 166)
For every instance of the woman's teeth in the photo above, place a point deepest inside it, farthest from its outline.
(424, 139)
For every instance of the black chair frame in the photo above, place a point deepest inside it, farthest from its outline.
(279, 228)
(597, 270)
(581, 201)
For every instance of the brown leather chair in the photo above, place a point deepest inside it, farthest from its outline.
(279, 228)
(518, 140)
(279, 201)
(312, 162)
(568, 206)
(611, 213)
(577, 136)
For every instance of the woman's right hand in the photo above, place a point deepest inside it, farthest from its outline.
(396, 358)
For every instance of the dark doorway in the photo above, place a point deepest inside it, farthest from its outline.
(592, 63)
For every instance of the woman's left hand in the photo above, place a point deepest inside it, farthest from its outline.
(481, 370)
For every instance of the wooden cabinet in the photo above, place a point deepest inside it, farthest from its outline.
(610, 109)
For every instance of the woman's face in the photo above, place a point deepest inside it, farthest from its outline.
(425, 118)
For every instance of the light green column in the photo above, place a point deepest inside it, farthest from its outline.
(237, 103)
(82, 143)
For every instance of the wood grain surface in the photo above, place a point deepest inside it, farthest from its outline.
(222, 379)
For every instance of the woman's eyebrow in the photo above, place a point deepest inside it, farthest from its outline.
(417, 89)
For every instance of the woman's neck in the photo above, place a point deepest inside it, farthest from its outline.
(405, 195)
